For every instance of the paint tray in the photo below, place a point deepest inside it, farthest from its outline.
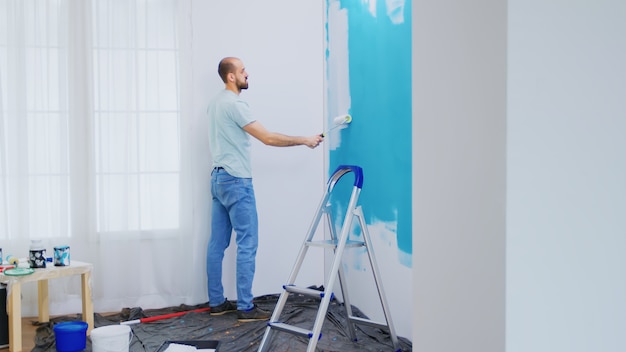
(200, 345)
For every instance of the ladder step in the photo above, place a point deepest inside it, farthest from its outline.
(333, 243)
(291, 329)
(306, 291)
(362, 321)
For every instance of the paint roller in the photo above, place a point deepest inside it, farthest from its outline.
(339, 121)
(12, 262)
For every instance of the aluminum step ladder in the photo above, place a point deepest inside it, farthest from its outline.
(337, 244)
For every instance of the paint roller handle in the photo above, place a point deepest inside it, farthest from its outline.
(324, 134)
(338, 121)
(164, 316)
(131, 322)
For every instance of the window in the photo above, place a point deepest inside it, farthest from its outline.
(34, 166)
(136, 115)
(89, 117)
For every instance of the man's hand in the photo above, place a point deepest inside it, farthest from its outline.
(313, 141)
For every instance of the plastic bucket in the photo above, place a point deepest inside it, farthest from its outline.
(70, 336)
(111, 338)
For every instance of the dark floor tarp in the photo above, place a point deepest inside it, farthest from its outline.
(233, 335)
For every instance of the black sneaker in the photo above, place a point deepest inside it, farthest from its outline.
(253, 314)
(223, 308)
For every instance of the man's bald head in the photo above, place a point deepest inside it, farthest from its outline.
(227, 65)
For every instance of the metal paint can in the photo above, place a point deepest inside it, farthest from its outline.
(62, 256)
(37, 255)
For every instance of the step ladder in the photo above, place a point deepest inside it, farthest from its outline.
(338, 245)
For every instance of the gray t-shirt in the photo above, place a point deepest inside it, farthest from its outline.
(229, 143)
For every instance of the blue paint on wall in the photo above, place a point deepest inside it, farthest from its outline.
(379, 137)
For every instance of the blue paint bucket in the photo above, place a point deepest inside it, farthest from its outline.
(70, 336)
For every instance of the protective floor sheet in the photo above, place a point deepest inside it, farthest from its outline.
(233, 335)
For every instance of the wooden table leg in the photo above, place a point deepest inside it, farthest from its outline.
(85, 279)
(43, 305)
(15, 317)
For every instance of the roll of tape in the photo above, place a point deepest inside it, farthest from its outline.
(13, 260)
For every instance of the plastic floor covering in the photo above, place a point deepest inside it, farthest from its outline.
(233, 335)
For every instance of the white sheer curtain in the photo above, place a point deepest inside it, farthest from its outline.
(34, 149)
(95, 150)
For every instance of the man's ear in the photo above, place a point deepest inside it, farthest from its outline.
(231, 77)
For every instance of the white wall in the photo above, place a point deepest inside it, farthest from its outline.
(281, 44)
(459, 172)
(366, 143)
(566, 208)
(565, 193)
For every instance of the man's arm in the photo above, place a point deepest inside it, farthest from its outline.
(266, 137)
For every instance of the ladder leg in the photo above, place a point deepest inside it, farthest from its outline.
(322, 208)
(332, 274)
(282, 300)
(344, 289)
(319, 321)
(344, 292)
(376, 274)
(280, 304)
(346, 304)
(267, 337)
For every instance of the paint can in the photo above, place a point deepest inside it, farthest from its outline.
(111, 338)
(70, 336)
(62, 256)
(37, 255)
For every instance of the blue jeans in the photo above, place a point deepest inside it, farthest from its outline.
(234, 208)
